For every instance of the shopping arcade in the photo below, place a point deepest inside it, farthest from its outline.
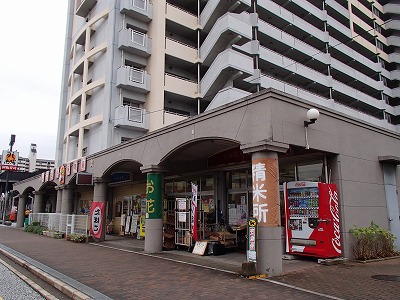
(269, 121)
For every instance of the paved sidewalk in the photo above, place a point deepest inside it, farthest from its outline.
(100, 271)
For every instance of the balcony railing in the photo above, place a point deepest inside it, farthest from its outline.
(135, 42)
(131, 118)
(133, 79)
(139, 9)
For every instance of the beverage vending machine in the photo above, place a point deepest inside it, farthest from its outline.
(312, 219)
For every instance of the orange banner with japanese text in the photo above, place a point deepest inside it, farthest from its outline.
(266, 192)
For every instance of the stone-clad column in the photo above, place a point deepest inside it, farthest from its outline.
(266, 204)
(100, 195)
(67, 203)
(21, 210)
(59, 199)
(154, 208)
(38, 203)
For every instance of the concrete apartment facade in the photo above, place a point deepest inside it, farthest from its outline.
(198, 91)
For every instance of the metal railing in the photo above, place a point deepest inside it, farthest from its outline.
(65, 223)
(136, 75)
(138, 37)
(142, 4)
(135, 114)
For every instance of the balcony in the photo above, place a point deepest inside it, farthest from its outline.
(134, 42)
(217, 8)
(181, 86)
(131, 118)
(181, 51)
(138, 9)
(228, 30)
(83, 7)
(181, 17)
(229, 66)
(133, 79)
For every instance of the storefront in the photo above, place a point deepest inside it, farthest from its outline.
(216, 150)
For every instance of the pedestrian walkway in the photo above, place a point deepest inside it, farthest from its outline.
(119, 269)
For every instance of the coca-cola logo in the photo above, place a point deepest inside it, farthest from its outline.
(334, 209)
(300, 184)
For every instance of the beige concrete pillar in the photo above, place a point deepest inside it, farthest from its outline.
(266, 204)
(67, 203)
(21, 210)
(59, 199)
(38, 202)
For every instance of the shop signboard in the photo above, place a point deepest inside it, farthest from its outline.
(9, 160)
(96, 215)
(266, 192)
(252, 240)
(154, 196)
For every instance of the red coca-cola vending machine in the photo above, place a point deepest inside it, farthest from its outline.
(312, 219)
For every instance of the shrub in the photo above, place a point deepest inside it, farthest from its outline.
(372, 242)
(38, 229)
(77, 238)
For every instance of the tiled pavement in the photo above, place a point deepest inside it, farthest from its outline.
(102, 272)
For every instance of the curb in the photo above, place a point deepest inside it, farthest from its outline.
(56, 283)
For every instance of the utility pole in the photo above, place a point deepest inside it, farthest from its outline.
(12, 141)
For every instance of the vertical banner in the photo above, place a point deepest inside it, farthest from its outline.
(266, 192)
(96, 216)
(154, 196)
(252, 240)
(193, 209)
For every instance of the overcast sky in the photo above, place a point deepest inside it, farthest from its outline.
(31, 57)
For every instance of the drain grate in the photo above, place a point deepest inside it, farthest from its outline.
(387, 277)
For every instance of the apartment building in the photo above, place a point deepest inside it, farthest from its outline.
(133, 66)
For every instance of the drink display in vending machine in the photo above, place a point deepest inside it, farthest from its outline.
(312, 219)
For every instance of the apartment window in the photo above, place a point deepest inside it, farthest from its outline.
(130, 103)
(87, 116)
(379, 45)
(375, 11)
(384, 80)
(377, 27)
(125, 139)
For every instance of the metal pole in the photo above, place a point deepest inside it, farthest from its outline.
(12, 141)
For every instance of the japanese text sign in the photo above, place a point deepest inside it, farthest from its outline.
(154, 196)
(266, 192)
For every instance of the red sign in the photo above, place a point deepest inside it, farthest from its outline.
(96, 215)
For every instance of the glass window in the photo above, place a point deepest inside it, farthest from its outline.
(180, 186)
(310, 171)
(287, 173)
(237, 179)
(169, 187)
(207, 183)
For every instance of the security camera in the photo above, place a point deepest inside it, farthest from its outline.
(312, 116)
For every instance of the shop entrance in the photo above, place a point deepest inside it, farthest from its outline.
(178, 211)
(132, 214)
